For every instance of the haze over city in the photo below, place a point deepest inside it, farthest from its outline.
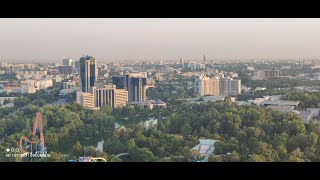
(159, 90)
(158, 39)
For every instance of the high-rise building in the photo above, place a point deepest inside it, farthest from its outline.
(136, 86)
(230, 87)
(235, 88)
(104, 66)
(88, 73)
(271, 74)
(67, 62)
(109, 95)
(119, 81)
(204, 59)
(77, 64)
(300, 62)
(134, 83)
(206, 86)
(258, 75)
(181, 61)
(4, 64)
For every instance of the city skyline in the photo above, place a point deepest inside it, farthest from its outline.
(158, 39)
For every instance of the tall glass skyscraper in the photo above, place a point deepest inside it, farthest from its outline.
(134, 83)
(88, 73)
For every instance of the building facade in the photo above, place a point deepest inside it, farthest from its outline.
(86, 99)
(134, 83)
(271, 74)
(230, 87)
(206, 86)
(136, 88)
(88, 73)
(65, 69)
(105, 96)
(67, 62)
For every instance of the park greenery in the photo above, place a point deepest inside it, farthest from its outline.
(245, 133)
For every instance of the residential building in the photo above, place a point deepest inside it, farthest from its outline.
(258, 75)
(30, 89)
(65, 69)
(12, 88)
(268, 74)
(30, 73)
(45, 83)
(230, 87)
(206, 86)
(68, 88)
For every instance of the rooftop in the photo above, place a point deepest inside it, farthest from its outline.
(205, 147)
(281, 108)
(280, 102)
(306, 116)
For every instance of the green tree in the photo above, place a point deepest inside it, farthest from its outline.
(296, 156)
(6, 101)
(77, 150)
(234, 156)
(186, 129)
(257, 158)
(56, 157)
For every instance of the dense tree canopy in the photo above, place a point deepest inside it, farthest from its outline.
(245, 133)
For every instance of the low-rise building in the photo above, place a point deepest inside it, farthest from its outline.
(12, 88)
(30, 73)
(30, 89)
(260, 88)
(203, 150)
(86, 99)
(2, 99)
(205, 99)
(284, 109)
(45, 83)
(306, 116)
(242, 103)
(150, 104)
(279, 103)
(152, 122)
(315, 111)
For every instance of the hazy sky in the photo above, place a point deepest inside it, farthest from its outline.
(112, 39)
